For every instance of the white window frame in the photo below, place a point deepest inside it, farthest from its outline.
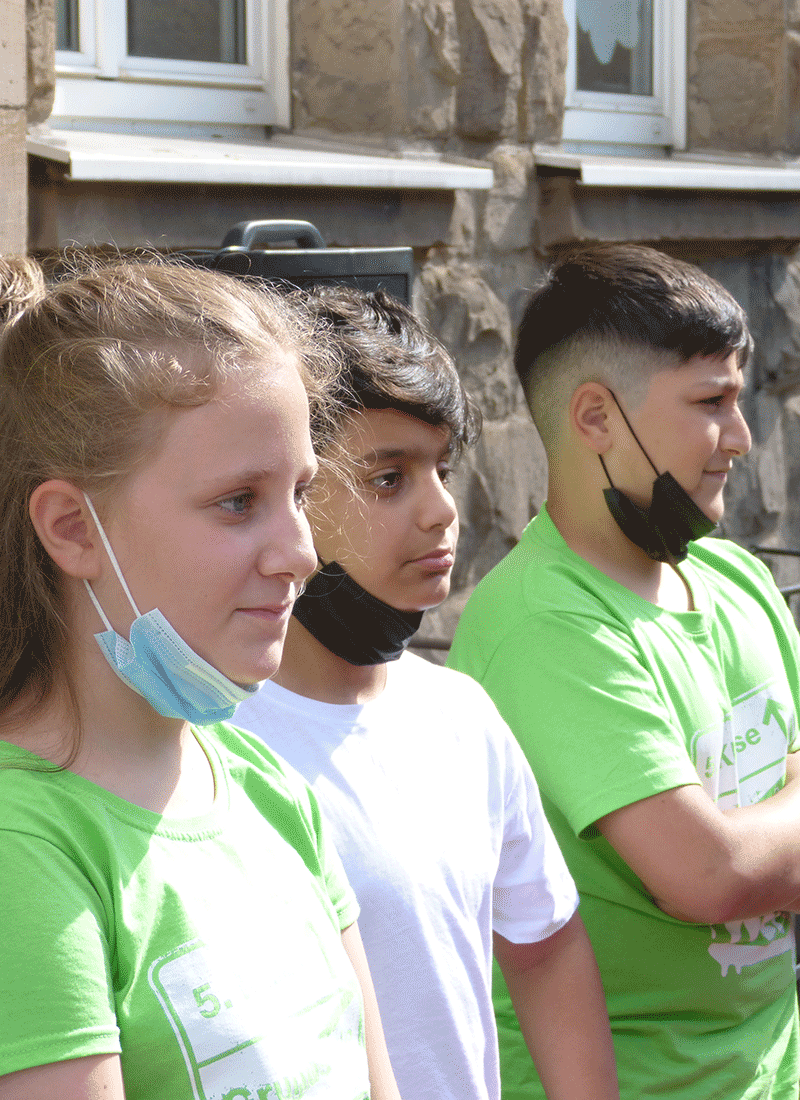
(598, 122)
(99, 83)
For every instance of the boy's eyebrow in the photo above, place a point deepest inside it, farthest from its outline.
(387, 454)
(384, 454)
(724, 382)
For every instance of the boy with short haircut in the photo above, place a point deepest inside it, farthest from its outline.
(652, 680)
(432, 806)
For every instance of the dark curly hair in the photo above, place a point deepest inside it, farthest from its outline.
(390, 360)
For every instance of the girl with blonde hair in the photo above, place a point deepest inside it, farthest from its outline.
(175, 923)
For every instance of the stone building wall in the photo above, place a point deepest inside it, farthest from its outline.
(744, 75)
(13, 176)
(485, 79)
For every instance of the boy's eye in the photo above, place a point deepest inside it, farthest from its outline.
(390, 479)
(238, 504)
(445, 473)
(715, 401)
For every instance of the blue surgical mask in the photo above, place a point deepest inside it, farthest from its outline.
(158, 665)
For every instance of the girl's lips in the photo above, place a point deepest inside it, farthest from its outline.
(269, 613)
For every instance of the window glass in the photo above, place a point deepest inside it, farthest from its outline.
(67, 25)
(615, 46)
(188, 30)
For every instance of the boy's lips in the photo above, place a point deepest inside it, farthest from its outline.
(440, 558)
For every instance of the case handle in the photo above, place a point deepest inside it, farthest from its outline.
(248, 235)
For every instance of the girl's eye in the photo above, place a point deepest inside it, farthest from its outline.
(301, 494)
(238, 504)
(445, 473)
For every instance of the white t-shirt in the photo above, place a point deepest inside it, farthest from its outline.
(437, 818)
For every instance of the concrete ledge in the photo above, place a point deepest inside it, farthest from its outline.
(687, 172)
(144, 159)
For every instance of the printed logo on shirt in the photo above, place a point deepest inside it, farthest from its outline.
(742, 761)
(252, 1030)
(751, 941)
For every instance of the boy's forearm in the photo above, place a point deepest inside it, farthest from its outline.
(381, 1076)
(707, 866)
(557, 996)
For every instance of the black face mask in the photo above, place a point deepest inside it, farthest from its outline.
(351, 623)
(665, 527)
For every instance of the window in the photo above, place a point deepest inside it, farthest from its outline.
(626, 75)
(186, 61)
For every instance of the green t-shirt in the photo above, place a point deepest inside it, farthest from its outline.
(613, 700)
(207, 950)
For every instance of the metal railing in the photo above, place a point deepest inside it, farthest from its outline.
(787, 590)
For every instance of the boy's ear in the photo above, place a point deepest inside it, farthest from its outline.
(65, 528)
(591, 415)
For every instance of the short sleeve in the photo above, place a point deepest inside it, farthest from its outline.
(338, 888)
(56, 999)
(312, 840)
(331, 870)
(534, 894)
(588, 714)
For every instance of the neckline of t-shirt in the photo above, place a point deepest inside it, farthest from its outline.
(304, 704)
(193, 827)
(694, 620)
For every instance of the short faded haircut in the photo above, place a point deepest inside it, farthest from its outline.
(616, 314)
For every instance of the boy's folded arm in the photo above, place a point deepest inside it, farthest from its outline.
(556, 993)
(705, 865)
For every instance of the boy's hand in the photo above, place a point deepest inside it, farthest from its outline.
(557, 996)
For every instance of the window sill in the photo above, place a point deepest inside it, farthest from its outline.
(676, 172)
(712, 207)
(142, 158)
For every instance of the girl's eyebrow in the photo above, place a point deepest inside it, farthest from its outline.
(241, 477)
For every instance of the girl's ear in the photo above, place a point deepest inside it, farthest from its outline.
(589, 414)
(65, 528)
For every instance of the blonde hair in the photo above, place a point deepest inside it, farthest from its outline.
(21, 282)
(88, 369)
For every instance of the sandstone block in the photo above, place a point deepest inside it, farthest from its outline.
(13, 181)
(463, 223)
(491, 37)
(475, 326)
(510, 209)
(433, 60)
(771, 456)
(544, 65)
(12, 53)
(792, 106)
(346, 66)
(41, 59)
(738, 91)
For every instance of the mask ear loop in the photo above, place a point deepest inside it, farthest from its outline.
(114, 563)
(635, 436)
